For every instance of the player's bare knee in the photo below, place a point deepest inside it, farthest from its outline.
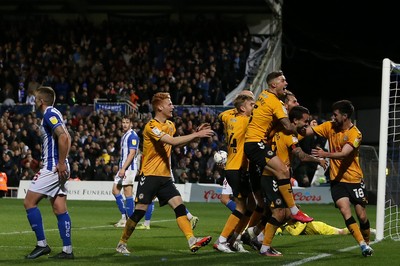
(278, 216)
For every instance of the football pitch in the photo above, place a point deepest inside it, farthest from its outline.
(94, 238)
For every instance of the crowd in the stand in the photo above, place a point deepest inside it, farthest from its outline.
(95, 147)
(120, 58)
(198, 62)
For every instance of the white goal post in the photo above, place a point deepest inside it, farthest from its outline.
(387, 213)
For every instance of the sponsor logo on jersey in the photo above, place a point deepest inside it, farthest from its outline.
(53, 120)
(357, 142)
(156, 131)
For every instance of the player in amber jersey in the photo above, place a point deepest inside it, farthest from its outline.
(226, 193)
(346, 176)
(286, 147)
(156, 179)
(269, 112)
(258, 221)
(236, 169)
(236, 125)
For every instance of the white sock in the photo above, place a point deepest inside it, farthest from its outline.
(260, 237)
(264, 248)
(250, 230)
(294, 210)
(67, 249)
(42, 243)
(221, 239)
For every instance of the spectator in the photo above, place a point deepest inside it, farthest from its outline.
(219, 179)
(99, 170)
(21, 93)
(33, 163)
(26, 171)
(195, 173)
(176, 157)
(181, 172)
(207, 177)
(3, 184)
(105, 156)
(198, 157)
(87, 172)
(7, 166)
(75, 174)
(30, 97)
(72, 99)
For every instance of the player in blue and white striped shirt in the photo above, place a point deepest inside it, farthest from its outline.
(51, 179)
(128, 167)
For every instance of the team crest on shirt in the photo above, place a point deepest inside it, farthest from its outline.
(141, 196)
(53, 120)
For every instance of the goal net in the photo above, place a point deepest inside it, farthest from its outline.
(388, 195)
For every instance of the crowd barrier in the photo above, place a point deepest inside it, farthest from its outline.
(101, 190)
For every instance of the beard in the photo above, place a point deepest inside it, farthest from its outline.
(336, 124)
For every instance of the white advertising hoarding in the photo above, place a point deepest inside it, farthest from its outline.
(101, 190)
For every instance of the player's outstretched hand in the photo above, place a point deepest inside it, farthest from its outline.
(204, 133)
(204, 126)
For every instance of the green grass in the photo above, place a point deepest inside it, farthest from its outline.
(94, 238)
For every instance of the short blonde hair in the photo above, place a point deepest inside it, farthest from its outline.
(241, 99)
(158, 98)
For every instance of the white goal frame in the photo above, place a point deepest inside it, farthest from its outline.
(387, 67)
(383, 138)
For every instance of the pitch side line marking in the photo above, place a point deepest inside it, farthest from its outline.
(323, 255)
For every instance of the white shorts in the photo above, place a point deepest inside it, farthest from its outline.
(127, 180)
(46, 183)
(226, 188)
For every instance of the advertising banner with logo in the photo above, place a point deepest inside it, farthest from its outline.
(212, 193)
(101, 190)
